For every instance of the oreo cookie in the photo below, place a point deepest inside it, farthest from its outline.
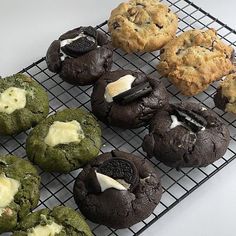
(84, 42)
(120, 169)
(134, 93)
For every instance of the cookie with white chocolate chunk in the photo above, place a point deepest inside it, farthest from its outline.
(127, 99)
(64, 141)
(19, 190)
(60, 221)
(225, 97)
(23, 104)
(117, 189)
(186, 135)
(80, 56)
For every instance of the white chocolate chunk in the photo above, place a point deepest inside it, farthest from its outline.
(64, 133)
(119, 86)
(175, 122)
(12, 99)
(69, 41)
(107, 182)
(8, 189)
(46, 230)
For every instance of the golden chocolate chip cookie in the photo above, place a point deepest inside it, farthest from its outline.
(195, 59)
(225, 97)
(142, 25)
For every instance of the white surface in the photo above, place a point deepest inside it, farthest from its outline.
(29, 26)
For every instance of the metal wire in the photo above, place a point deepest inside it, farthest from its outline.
(56, 189)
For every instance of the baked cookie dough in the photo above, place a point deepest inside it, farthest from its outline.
(225, 97)
(117, 189)
(60, 221)
(142, 25)
(23, 104)
(19, 190)
(195, 59)
(186, 135)
(127, 99)
(80, 56)
(64, 141)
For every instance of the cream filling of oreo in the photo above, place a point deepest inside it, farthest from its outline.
(8, 189)
(64, 133)
(107, 182)
(12, 99)
(176, 122)
(119, 86)
(46, 230)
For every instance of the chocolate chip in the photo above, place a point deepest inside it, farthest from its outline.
(87, 41)
(119, 168)
(134, 93)
(159, 26)
(115, 25)
(232, 58)
(162, 51)
(191, 119)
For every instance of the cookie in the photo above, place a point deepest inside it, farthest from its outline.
(64, 141)
(23, 104)
(127, 99)
(80, 56)
(59, 221)
(142, 25)
(195, 59)
(117, 189)
(186, 135)
(225, 97)
(19, 185)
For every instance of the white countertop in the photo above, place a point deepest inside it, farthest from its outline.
(27, 29)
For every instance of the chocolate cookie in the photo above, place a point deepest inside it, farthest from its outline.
(195, 59)
(117, 189)
(64, 141)
(80, 56)
(127, 99)
(225, 97)
(142, 25)
(186, 135)
(60, 221)
(19, 190)
(23, 104)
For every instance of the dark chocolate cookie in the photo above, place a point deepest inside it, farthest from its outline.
(80, 56)
(131, 101)
(186, 135)
(117, 189)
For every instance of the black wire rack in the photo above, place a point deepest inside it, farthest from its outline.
(56, 189)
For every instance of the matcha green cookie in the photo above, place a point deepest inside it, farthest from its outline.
(64, 141)
(19, 190)
(60, 221)
(23, 104)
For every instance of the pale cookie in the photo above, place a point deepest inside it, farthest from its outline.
(142, 25)
(195, 59)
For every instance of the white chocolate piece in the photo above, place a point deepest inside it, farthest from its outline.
(8, 189)
(203, 109)
(175, 122)
(12, 99)
(46, 230)
(119, 86)
(107, 182)
(69, 41)
(64, 133)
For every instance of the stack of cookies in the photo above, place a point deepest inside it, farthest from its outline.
(116, 189)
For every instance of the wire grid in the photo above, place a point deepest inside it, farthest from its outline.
(57, 189)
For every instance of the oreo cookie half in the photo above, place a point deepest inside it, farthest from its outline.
(84, 42)
(121, 170)
(134, 93)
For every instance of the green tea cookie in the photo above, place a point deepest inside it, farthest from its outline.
(23, 104)
(19, 190)
(64, 141)
(59, 221)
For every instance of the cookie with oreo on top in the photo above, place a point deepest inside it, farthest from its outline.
(80, 56)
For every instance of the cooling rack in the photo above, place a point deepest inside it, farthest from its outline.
(56, 189)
